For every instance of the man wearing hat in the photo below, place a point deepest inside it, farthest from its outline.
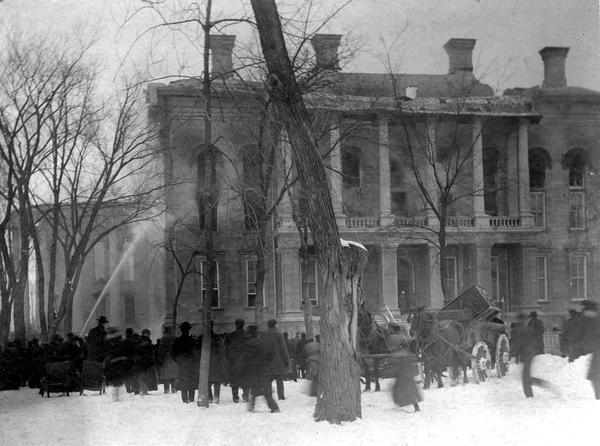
(525, 347)
(591, 342)
(279, 362)
(95, 341)
(186, 354)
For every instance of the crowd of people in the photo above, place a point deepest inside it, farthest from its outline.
(580, 336)
(245, 359)
(249, 361)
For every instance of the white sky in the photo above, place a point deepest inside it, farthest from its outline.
(509, 34)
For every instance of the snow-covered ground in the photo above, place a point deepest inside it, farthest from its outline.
(492, 413)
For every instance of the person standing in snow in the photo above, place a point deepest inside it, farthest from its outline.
(525, 345)
(234, 348)
(279, 362)
(312, 359)
(591, 342)
(117, 363)
(405, 390)
(95, 340)
(257, 357)
(166, 363)
(185, 353)
(570, 338)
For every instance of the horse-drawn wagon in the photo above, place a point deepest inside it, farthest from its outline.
(466, 328)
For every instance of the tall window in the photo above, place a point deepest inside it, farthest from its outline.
(490, 181)
(405, 285)
(398, 194)
(251, 283)
(542, 278)
(576, 160)
(351, 167)
(539, 161)
(578, 276)
(128, 267)
(204, 270)
(129, 302)
(538, 208)
(100, 261)
(254, 206)
(576, 209)
(450, 282)
(310, 285)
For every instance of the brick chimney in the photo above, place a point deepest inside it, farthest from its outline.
(460, 53)
(221, 48)
(326, 50)
(554, 66)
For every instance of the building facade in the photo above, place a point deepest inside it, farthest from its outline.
(516, 173)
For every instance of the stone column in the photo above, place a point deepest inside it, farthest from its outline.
(389, 276)
(429, 179)
(483, 266)
(481, 219)
(528, 270)
(335, 172)
(523, 162)
(285, 207)
(291, 280)
(385, 201)
(436, 296)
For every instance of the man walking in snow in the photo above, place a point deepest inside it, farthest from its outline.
(279, 362)
(525, 347)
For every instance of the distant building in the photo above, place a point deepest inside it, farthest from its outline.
(524, 223)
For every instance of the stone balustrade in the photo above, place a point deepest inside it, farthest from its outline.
(504, 222)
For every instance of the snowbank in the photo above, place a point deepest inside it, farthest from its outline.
(494, 412)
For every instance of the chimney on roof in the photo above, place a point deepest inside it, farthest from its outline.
(221, 48)
(554, 66)
(326, 50)
(460, 53)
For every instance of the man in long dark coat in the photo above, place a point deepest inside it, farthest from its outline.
(235, 348)
(279, 362)
(525, 347)
(95, 340)
(168, 366)
(537, 328)
(257, 356)
(185, 353)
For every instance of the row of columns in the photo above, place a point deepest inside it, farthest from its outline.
(385, 213)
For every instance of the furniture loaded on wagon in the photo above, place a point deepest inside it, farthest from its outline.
(485, 334)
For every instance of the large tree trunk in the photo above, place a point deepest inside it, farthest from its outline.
(338, 399)
(206, 202)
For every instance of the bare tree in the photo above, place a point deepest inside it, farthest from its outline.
(85, 165)
(339, 392)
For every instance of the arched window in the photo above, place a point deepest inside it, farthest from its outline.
(351, 166)
(539, 161)
(576, 161)
(490, 180)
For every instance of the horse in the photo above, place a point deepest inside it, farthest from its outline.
(372, 341)
(439, 344)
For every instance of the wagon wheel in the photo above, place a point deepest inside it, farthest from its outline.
(502, 356)
(481, 363)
